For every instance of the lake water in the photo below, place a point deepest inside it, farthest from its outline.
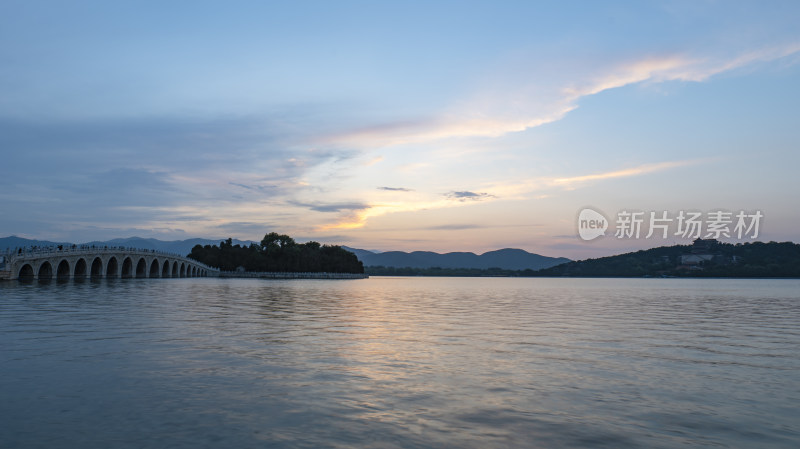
(400, 363)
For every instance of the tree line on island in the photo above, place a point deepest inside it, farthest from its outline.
(278, 253)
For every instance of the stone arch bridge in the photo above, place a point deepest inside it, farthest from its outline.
(64, 263)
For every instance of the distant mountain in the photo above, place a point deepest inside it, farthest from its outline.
(508, 259)
(360, 252)
(20, 242)
(182, 247)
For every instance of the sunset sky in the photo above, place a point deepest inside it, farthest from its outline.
(444, 126)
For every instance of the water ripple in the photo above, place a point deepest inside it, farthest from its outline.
(400, 363)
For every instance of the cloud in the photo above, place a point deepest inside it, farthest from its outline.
(523, 106)
(331, 207)
(358, 217)
(412, 167)
(248, 151)
(396, 189)
(246, 227)
(157, 141)
(455, 227)
(571, 182)
(448, 126)
(96, 193)
(90, 232)
(515, 190)
(466, 195)
(153, 172)
(373, 161)
(254, 187)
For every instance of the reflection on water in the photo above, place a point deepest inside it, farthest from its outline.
(400, 362)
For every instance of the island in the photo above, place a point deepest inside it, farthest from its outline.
(277, 253)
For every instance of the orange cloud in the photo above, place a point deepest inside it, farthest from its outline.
(635, 171)
(358, 219)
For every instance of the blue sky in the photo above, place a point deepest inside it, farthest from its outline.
(448, 126)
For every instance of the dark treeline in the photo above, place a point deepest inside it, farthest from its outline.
(757, 259)
(279, 253)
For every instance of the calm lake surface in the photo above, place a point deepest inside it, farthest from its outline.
(400, 363)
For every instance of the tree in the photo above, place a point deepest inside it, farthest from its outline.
(278, 252)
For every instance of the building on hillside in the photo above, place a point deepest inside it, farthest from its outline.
(702, 253)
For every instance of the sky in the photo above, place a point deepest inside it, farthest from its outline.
(442, 126)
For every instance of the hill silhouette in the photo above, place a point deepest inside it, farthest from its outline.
(707, 258)
(507, 259)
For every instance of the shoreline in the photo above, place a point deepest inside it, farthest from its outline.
(290, 275)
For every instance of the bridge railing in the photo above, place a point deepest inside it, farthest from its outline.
(69, 250)
(81, 249)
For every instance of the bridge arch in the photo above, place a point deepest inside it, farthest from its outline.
(26, 273)
(62, 272)
(112, 268)
(127, 268)
(97, 268)
(45, 271)
(80, 263)
(80, 269)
